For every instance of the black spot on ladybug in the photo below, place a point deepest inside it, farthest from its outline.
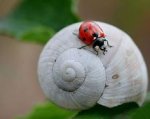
(95, 35)
(84, 39)
(86, 29)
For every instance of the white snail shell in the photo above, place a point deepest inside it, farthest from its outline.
(78, 79)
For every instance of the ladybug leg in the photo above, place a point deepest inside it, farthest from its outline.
(108, 43)
(83, 46)
(75, 32)
(104, 50)
(95, 51)
(95, 45)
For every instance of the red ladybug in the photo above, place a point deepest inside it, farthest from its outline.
(92, 34)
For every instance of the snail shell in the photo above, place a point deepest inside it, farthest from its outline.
(78, 79)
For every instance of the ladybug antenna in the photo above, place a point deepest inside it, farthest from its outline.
(104, 39)
(75, 32)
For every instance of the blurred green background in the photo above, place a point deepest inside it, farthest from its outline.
(19, 88)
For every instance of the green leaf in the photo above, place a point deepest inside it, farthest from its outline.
(38, 20)
(38, 34)
(49, 111)
(125, 111)
(101, 112)
(142, 112)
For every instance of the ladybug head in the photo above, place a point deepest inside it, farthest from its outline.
(95, 35)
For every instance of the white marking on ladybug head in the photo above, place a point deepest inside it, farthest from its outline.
(97, 48)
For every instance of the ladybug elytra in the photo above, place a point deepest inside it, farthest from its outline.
(92, 34)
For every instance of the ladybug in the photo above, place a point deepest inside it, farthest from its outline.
(92, 34)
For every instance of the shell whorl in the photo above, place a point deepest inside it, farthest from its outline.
(70, 70)
(68, 74)
(78, 79)
(74, 73)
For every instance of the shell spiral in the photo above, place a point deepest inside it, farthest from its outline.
(78, 79)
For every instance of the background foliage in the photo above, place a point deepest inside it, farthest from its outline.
(38, 20)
